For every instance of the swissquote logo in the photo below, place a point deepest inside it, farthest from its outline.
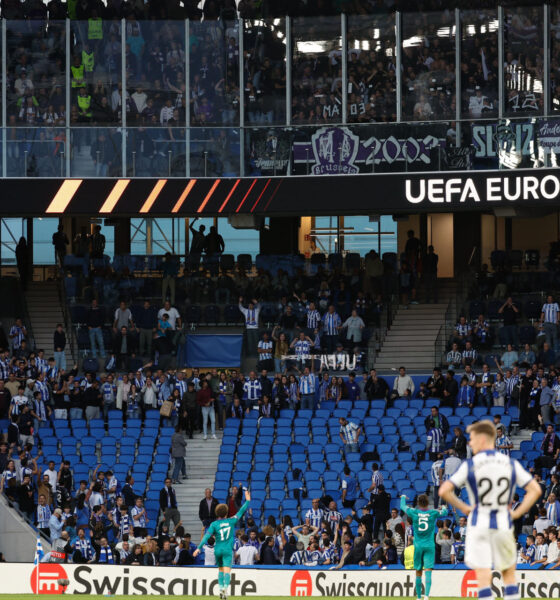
(469, 585)
(47, 581)
(302, 584)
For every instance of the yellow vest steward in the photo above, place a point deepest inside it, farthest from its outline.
(78, 76)
(95, 29)
(84, 102)
(409, 557)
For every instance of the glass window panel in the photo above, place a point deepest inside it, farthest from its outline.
(35, 151)
(36, 72)
(428, 59)
(239, 241)
(324, 234)
(96, 152)
(12, 230)
(479, 64)
(264, 44)
(371, 69)
(214, 73)
(43, 252)
(523, 60)
(156, 151)
(95, 72)
(362, 235)
(155, 77)
(555, 58)
(317, 70)
(214, 152)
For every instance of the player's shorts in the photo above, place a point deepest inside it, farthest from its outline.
(490, 548)
(223, 556)
(424, 557)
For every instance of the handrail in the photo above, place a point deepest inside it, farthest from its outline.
(26, 316)
(70, 332)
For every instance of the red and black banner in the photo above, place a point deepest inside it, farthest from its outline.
(276, 196)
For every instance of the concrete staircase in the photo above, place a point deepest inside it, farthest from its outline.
(202, 462)
(43, 305)
(410, 339)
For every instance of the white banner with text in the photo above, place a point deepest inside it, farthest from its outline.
(20, 578)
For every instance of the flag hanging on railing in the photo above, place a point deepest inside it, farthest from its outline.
(39, 554)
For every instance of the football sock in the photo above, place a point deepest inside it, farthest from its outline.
(485, 592)
(428, 582)
(221, 580)
(511, 592)
(227, 578)
(418, 586)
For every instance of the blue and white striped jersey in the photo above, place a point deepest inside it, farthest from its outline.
(550, 312)
(434, 440)
(490, 478)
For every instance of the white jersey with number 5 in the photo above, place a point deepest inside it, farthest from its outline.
(490, 478)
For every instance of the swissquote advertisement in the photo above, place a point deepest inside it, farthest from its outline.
(19, 578)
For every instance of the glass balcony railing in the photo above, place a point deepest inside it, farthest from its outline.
(458, 89)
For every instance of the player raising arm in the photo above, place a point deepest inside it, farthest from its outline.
(224, 531)
(424, 523)
(490, 478)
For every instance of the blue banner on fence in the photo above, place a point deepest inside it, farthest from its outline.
(213, 350)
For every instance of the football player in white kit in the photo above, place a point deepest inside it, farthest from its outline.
(491, 479)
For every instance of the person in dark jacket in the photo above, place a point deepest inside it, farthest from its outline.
(127, 491)
(459, 443)
(124, 346)
(437, 420)
(22, 259)
(450, 390)
(436, 384)
(376, 556)
(381, 509)
(207, 509)
(168, 504)
(267, 556)
(376, 387)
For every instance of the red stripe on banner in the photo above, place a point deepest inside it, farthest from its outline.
(261, 194)
(273, 194)
(246, 195)
(184, 195)
(229, 195)
(209, 195)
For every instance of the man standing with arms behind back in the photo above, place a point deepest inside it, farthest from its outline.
(491, 479)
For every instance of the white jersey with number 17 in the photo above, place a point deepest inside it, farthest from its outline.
(490, 478)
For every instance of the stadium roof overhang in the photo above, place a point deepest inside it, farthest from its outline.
(520, 191)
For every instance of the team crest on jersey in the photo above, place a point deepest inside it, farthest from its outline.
(335, 149)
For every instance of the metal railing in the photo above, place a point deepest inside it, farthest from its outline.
(71, 337)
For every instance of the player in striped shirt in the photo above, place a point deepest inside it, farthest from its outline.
(376, 480)
(313, 318)
(299, 557)
(332, 324)
(434, 442)
(315, 514)
(491, 479)
(503, 443)
(17, 334)
(549, 321)
(469, 354)
(541, 550)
